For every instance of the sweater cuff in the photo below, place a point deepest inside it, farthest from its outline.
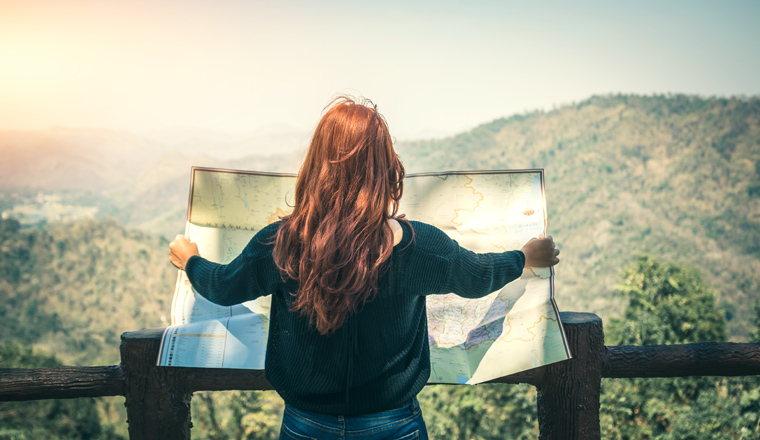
(521, 256)
(190, 266)
(189, 263)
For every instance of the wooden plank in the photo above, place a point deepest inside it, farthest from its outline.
(702, 359)
(568, 391)
(157, 398)
(60, 382)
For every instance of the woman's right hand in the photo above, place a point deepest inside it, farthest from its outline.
(540, 252)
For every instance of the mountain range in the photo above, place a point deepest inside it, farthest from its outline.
(673, 176)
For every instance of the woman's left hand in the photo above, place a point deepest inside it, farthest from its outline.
(180, 250)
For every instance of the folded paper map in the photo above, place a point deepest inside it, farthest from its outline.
(471, 340)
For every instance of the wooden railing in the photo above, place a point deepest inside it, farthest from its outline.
(158, 398)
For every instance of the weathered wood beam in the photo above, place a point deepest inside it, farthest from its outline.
(157, 398)
(60, 382)
(702, 359)
(568, 391)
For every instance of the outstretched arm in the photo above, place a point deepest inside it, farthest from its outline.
(473, 275)
(243, 279)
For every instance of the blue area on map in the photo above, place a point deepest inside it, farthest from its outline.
(461, 379)
(485, 332)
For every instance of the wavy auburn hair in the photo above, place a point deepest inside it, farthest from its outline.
(337, 239)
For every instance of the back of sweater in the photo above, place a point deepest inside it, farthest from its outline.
(380, 358)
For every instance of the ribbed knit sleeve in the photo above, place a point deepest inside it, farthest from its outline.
(450, 268)
(245, 278)
(473, 275)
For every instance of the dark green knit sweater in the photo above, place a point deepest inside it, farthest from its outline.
(380, 358)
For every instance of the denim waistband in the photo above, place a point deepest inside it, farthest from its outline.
(360, 422)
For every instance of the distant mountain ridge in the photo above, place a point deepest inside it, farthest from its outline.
(674, 176)
(140, 181)
(97, 160)
(83, 159)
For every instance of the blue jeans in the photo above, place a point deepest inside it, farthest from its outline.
(403, 423)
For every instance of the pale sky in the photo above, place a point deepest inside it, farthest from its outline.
(433, 67)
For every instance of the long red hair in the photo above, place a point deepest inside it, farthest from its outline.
(337, 239)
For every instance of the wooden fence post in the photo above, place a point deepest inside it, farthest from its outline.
(568, 391)
(157, 398)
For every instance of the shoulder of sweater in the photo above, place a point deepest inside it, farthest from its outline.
(264, 239)
(270, 230)
(431, 240)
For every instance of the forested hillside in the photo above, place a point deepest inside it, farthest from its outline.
(73, 289)
(677, 177)
(69, 291)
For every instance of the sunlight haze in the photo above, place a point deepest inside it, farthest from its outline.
(433, 68)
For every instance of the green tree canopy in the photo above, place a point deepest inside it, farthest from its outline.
(668, 304)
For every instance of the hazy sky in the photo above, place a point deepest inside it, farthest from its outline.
(433, 67)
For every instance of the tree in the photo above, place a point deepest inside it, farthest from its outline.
(492, 411)
(238, 415)
(669, 304)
